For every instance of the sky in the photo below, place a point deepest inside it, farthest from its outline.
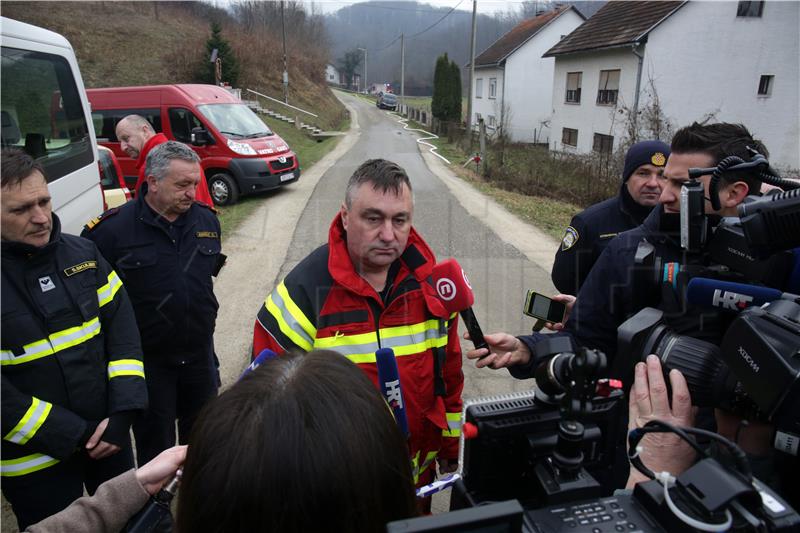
(484, 6)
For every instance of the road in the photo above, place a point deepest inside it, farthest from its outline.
(502, 255)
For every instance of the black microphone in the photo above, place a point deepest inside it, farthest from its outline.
(389, 383)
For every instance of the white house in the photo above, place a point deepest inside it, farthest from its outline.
(332, 74)
(514, 83)
(724, 61)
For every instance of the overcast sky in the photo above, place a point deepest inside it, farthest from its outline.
(484, 6)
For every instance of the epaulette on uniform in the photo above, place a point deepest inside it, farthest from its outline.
(98, 219)
(210, 207)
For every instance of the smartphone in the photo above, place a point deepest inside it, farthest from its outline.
(540, 306)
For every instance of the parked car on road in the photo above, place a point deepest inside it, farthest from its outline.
(387, 101)
(115, 191)
(239, 153)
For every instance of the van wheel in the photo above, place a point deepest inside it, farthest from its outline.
(223, 189)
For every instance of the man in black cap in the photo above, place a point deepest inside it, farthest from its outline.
(592, 229)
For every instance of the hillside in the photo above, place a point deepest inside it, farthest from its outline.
(141, 43)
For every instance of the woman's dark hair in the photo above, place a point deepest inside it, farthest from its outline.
(305, 443)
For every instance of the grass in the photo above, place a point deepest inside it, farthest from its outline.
(308, 151)
(548, 214)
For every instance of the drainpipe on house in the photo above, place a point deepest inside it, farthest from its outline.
(638, 86)
(502, 102)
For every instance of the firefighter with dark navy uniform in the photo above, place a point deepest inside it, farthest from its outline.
(72, 372)
(591, 230)
(166, 248)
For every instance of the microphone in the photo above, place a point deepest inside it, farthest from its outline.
(456, 296)
(389, 383)
(258, 361)
(730, 296)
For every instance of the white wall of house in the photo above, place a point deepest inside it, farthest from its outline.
(331, 74)
(483, 104)
(702, 60)
(589, 117)
(720, 70)
(529, 81)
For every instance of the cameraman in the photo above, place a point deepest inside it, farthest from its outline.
(609, 296)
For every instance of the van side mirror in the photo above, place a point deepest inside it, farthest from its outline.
(200, 137)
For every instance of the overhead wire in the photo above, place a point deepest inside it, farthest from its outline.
(421, 32)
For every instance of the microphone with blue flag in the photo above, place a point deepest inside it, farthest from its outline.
(389, 383)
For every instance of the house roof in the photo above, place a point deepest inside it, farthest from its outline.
(519, 35)
(617, 23)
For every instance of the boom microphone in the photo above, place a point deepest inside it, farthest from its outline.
(730, 296)
(389, 382)
(456, 296)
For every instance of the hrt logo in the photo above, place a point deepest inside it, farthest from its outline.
(393, 395)
(446, 289)
(730, 300)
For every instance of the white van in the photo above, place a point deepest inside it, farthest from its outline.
(45, 112)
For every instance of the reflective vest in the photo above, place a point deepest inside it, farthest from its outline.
(70, 350)
(323, 303)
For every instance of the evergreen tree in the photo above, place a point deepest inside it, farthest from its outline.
(441, 87)
(230, 66)
(455, 91)
(349, 65)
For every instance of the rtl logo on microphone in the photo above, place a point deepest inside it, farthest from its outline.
(730, 300)
(393, 395)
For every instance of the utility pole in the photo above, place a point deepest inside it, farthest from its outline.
(402, 72)
(471, 70)
(366, 88)
(285, 69)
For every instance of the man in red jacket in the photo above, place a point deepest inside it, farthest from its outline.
(137, 137)
(369, 288)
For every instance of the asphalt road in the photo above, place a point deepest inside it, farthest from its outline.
(502, 255)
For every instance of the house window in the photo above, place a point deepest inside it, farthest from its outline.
(603, 143)
(479, 88)
(492, 87)
(492, 121)
(765, 85)
(750, 9)
(608, 88)
(477, 117)
(569, 137)
(574, 87)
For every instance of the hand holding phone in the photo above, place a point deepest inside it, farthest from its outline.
(547, 309)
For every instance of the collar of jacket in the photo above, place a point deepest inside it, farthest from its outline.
(147, 214)
(153, 141)
(635, 211)
(417, 260)
(21, 250)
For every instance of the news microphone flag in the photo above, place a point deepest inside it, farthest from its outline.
(389, 382)
(727, 295)
(258, 361)
(455, 293)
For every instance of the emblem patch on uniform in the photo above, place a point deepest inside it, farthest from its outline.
(571, 237)
(46, 284)
(658, 159)
(207, 235)
(86, 265)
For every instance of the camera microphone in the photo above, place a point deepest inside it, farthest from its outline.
(730, 296)
(455, 293)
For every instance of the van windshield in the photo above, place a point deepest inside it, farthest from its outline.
(235, 121)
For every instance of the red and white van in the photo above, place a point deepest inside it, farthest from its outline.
(240, 154)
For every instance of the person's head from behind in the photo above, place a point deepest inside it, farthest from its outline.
(376, 214)
(173, 172)
(644, 170)
(704, 146)
(27, 215)
(133, 131)
(305, 443)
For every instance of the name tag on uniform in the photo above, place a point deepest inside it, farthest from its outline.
(86, 265)
(207, 235)
(608, 235)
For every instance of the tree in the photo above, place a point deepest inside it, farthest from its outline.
(230, 65)
(349, 64)
(440, 102)
(455, 93)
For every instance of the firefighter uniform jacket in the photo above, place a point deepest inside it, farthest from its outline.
(70, 350)
(323, 303)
